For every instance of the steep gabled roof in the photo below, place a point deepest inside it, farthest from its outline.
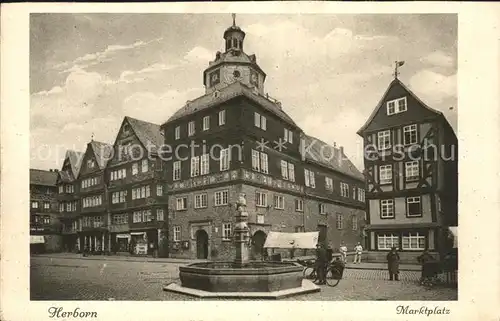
(75, 160)
(102, 152)
(226, 93)
(380, 104)
(149, 134)
(329, 156)
(42, 177)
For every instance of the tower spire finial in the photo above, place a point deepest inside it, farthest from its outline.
(234, 19)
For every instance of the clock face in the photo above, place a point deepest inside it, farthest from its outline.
(254, 79)
(215, 77)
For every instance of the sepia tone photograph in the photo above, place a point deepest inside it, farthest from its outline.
(308, 157)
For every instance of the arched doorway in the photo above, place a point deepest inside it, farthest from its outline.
(258, 241)
(201, 244)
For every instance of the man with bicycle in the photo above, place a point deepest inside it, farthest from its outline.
(321, 264)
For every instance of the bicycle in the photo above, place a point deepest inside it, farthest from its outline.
(334, 272)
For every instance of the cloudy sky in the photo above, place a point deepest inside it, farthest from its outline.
(88, 71)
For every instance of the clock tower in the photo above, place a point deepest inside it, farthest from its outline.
(233, 64)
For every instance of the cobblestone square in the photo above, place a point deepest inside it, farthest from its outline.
(85, 279)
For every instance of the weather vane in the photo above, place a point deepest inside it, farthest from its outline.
(234, 19)
(397, 65)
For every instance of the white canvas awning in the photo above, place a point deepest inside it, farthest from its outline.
(454, 231)
(122, 236)
(307, 240)
(137, 233)
(37, 239)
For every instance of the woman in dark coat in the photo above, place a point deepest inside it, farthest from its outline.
(393, 264)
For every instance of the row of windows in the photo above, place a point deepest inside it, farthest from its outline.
(413, 241)
(260, 163)
(227, 227)
(92, 201)
(147, 216)
(92, 221)
(118, 174)
(261, 200)
(46, 205)
(141, 192)
(201, 200)
(39, 219)
(67, 206)
(384, 139)
(413, 207)
(205, 123)
(412, 172)
(67, 188)
(122, 173)
(200, 165)
(226, 232)
(90, 182)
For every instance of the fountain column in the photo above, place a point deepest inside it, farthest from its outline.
(241, 232)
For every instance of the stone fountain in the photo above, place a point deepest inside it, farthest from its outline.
(242, 278)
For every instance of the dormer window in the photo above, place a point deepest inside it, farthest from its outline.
(396, 106)
(126, 128)
(90, 163)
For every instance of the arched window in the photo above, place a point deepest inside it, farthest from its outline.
(235, 43)
(228, 44)
(240, 44)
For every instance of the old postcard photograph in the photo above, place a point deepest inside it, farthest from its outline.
(219, 154)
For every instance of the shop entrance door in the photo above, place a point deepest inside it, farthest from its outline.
(201, 244)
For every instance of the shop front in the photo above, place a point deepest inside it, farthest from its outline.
(37, 244)
(93, 242)
(144, 242)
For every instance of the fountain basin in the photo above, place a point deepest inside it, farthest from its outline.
(251, 277)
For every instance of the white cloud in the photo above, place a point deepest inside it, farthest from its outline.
(339, 130)
(198, 54)
(129, 76)
(286, 39)
(434, 87)
(91, 59)
(63, 104)
(48, 145)
(439, 59)
(157, 108)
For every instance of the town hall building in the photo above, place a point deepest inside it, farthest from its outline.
(247, 143)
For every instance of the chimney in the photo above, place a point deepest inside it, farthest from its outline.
(340, 156)
(334, 144)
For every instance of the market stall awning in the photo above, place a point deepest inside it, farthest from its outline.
(37, 239)
(307, 240)
(454, 231)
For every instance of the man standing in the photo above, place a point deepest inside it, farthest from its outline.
(343, 252)
(358, 249)
(321, 264)
(393, 264)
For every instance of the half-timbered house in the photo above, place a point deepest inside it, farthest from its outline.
(411, 175)
(93, 194)
(45, 226)
(137, 199)
(68, 199)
